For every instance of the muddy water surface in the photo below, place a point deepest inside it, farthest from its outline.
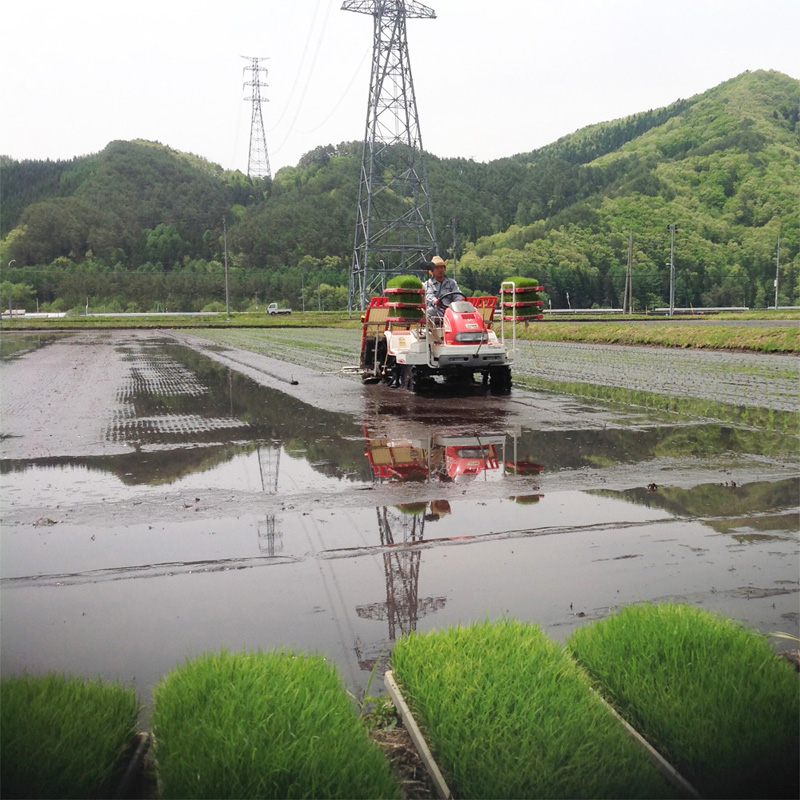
(163, 496)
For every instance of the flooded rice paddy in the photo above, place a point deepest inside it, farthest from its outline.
(166, 495)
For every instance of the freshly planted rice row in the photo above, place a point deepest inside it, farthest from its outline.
(508, 713)
(263, 725)
(710, 696)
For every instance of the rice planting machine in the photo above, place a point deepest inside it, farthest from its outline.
(403, 346)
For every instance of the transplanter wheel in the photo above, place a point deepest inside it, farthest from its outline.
(500, 380)
(389, 371)
(411, 379)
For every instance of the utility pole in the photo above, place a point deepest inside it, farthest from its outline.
(257, 157)
(777, 270)
(454, 224)
(225, 256)
(672, 270)
(394, 218)
(627, 297)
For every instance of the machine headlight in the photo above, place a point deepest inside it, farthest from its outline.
(472, 337)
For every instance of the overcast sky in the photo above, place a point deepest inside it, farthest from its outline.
(492, 77)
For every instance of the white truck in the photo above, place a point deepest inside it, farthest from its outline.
(272, 308)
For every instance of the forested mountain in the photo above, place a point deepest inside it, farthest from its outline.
(724, 167)
(140, 225)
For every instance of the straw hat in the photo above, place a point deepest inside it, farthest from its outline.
(437, 260)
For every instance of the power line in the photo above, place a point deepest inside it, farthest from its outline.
(307, 83)
(341, 97)
(299, 69)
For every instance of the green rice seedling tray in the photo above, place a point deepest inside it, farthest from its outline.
(408, 283)
(521, 282)
(265, 724)
(64, 736)
(711, 695)
(508, 713)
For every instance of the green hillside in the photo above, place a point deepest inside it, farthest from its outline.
(725, 169)
(140, 226)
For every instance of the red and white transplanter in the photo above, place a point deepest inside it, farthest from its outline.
(402, 345)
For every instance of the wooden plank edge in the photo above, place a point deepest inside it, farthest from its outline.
(134, 766)
(416, 736)
(661, 763)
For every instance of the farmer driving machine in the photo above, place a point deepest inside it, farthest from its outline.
(403, 346)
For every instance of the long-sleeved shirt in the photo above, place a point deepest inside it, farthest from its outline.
(435, 290)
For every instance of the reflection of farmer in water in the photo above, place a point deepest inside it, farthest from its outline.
(439, 509)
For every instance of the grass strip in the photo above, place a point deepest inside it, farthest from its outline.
(242, 319)
(764, 339)
(508, 713)
(64, 737)
(709, 695)
(759, 338)
(263, 724)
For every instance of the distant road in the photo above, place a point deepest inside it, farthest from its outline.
(152, 314)
(745, 323)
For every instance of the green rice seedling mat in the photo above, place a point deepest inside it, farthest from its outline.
(711, 696)
(270, 725)
(64, 737)
(508, 713)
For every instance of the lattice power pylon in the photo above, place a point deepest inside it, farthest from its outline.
(257, 158)
(394, 222)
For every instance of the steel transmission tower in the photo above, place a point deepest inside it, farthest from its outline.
(394, 219)
(257, 158)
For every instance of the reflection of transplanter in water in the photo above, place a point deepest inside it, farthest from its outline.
(446, 458)
(429, 459)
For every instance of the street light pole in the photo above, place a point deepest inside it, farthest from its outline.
(627, 297)
(777, 270)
